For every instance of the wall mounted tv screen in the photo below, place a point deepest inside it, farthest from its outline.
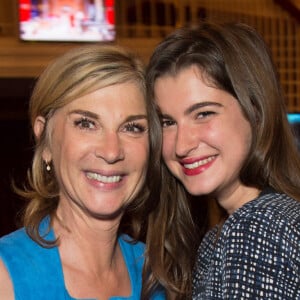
(67, 20)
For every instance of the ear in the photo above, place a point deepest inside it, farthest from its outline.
(38, 128)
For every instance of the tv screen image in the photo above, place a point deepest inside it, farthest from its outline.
(67, 20)
(294, 120)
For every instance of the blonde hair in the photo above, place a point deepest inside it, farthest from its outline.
(78, 72)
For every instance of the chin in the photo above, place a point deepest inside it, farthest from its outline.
(111, 213)
(194, 190)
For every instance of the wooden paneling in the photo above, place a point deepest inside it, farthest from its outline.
(141, 24)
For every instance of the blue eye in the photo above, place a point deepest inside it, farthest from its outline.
(135, 127)
(85, 123)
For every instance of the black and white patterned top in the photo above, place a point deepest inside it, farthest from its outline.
(255, 255)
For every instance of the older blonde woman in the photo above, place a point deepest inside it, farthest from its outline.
(94, 150)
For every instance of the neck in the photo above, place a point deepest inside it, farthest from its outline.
(92, 260)
(82, 237)
(237, 197)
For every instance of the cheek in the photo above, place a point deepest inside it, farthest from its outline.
(247, 143)
(62, 158)
(65, 150)
(241, 140)
(138, 153)
(245, 132)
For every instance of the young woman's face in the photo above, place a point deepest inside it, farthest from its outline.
(206, 138)
(99, 148)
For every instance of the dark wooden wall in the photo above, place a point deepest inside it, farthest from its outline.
(15, 147)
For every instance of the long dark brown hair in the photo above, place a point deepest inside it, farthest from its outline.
(235, 58)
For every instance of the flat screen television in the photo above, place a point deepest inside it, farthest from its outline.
(294, 120)
(67, 20)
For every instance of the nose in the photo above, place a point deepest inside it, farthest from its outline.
(187, 140)
(110, 147)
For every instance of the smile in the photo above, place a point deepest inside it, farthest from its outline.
(199, 163)
(104, 179)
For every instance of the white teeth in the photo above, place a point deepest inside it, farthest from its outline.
(104, 179)
(199, 163)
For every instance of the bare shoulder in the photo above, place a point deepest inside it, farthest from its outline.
(6, 287)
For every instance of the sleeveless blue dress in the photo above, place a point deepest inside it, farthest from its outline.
(36, 272)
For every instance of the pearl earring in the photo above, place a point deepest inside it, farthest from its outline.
(48, 167)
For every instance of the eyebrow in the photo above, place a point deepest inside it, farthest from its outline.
(136, 117)
(200, 105)
(89, 114)
(85, 113)
(191, 108)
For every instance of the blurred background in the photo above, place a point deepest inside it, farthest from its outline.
(34, 32)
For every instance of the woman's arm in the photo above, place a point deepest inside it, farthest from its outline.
(6, 287)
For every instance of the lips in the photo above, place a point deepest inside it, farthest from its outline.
(195, 167)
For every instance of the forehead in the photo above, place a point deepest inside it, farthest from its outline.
(188, 89)
(183, 82)
(114, 100)
(122, 92)
(192, 72)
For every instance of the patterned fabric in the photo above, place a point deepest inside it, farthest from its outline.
(255, 255)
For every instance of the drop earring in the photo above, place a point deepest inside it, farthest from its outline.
(48, 167)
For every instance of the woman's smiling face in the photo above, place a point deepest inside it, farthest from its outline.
(99, 148)
(206, 137)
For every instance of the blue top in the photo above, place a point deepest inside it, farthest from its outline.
(36, 272)
(254, 255)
